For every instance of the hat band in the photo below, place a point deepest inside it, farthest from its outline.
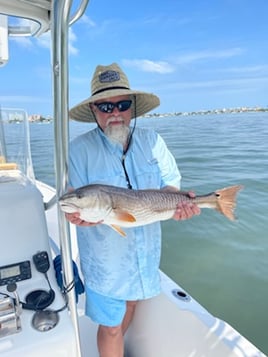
(104, 89)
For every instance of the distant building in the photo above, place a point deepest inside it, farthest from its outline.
(38, 118)
(34, 117)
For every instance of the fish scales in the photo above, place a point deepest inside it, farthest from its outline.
(146, 204)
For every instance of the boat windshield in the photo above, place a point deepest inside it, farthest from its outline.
(15, 153)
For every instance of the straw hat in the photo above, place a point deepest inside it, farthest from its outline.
(110, 81)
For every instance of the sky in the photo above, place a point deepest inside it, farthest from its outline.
(194, 54)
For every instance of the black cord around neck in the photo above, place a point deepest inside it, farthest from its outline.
(128, 145)
(126, 174)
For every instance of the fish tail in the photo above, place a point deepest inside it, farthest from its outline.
(226, 200)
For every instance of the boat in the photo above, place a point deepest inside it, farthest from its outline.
(41, 309)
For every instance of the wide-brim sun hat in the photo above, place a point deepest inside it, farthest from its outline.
(110, 81)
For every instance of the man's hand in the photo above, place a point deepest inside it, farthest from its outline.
(75, 219)
(186, 209)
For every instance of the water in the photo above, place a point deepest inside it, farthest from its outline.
(223, 264)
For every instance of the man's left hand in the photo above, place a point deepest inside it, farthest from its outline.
(186, 209)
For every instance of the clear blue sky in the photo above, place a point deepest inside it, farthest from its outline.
(193, 54)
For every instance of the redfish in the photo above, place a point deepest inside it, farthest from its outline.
(122, 207)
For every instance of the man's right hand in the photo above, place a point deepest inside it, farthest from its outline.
(74, 218)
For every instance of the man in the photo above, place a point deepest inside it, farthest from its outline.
(119, 271)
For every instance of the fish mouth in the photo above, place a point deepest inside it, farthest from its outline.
(68, 207)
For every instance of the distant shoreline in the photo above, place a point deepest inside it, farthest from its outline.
(207, 112)
(39, 118)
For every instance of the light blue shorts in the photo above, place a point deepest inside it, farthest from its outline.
(104, 310)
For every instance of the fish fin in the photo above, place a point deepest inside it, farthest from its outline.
(226, 200)
(118, 230)
(124, 216)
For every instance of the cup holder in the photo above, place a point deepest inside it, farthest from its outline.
(45, 320)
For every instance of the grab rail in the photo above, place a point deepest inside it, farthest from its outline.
(59, 32)
(80, 11)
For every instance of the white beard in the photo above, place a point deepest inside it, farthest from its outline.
(117, 133)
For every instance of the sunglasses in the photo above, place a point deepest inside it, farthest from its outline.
(108, 107)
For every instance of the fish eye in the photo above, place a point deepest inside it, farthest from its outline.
(79, 194)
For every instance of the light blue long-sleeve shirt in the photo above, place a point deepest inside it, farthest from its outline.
(123, 268)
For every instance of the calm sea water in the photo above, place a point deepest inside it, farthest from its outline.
(223, 264)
